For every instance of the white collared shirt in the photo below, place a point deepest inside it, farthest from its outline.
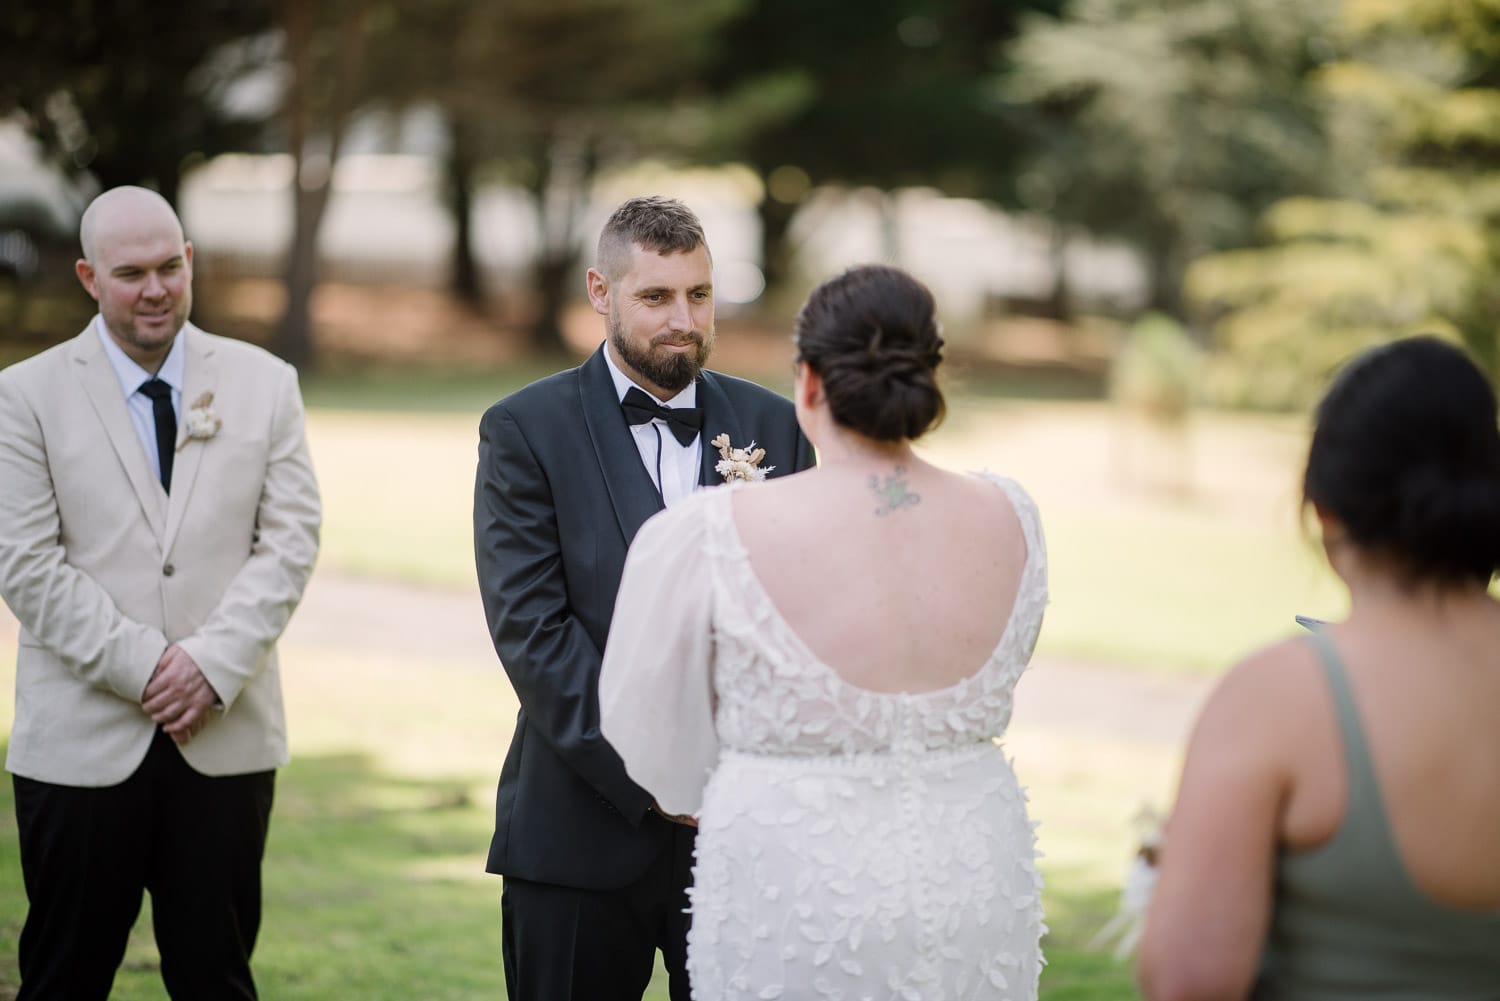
(132, 375)
(680, 463)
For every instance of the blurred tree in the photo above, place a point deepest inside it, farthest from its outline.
(444, 57)
(544, 93)
(323, 46)
(591, 82)
(894, 94)
(1414, 245)
(1171, 123)
(132, 91)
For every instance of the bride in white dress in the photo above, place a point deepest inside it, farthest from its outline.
(817, 668)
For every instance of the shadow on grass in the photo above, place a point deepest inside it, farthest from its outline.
(374, 889)
(375, 886)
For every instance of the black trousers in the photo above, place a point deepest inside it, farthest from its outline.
(195, 842)
(561, 943)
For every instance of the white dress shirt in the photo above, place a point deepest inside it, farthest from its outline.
(680, 463)
(132, 375)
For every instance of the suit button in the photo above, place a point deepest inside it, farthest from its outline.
(168, 570)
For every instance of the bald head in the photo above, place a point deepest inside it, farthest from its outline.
(139, 269)
(124, 213)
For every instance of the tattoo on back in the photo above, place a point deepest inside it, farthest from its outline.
(892, 493)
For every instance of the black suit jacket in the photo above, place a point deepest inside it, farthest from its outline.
(560, 493)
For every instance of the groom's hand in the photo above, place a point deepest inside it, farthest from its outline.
(685, 819)
(178, 697)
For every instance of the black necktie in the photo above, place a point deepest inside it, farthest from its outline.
(640, 408)
(166, 426)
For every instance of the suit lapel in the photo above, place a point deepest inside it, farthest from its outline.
(102, 387)
(200, 375)
(718, 418)
(631, 491)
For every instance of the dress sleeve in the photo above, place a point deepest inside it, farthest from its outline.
(656, 684)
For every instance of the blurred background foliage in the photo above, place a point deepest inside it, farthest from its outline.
(1290, 179)
(1407, 240)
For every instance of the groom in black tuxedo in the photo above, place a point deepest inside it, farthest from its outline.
(569, 468)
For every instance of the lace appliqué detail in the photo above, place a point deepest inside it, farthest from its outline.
(857, 844)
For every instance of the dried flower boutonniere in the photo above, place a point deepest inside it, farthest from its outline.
(739, 463)
(201, 423)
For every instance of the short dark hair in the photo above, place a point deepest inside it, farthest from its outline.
(871, 335)
(660, 225)
(1406, 454)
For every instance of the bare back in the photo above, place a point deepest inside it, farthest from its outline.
(1427, 693)
(901, 583)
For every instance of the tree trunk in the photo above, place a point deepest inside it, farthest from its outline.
(567, 165)
(312, 183)
(1059, 300)
(464, 281)
(775, 245)
(294, 335)
(1166, 271)
(888, 207)
(551, 278)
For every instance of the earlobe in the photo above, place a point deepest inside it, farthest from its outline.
(1330, 526)
(85, 272)
(809, 388)
(598, 289)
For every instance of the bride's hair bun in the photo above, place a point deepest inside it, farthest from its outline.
(1406, 454)
(871, 335)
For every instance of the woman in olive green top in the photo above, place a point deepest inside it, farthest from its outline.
(1337, 831)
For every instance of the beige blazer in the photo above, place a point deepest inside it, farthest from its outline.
(103, 571)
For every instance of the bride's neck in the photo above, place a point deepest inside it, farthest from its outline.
(842, 449)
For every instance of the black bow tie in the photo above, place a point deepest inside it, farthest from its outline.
(640, 408)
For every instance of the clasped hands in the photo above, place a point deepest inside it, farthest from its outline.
(178, 697)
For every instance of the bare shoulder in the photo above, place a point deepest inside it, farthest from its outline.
(996, 490)
(768, 496)
(988, 481)
(776, 508)
(990, 502)
(1267, 699)
(1272, 668)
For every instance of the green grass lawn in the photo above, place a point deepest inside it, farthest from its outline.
(374, 888)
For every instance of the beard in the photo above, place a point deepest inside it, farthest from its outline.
(122, 324)
(669, 370)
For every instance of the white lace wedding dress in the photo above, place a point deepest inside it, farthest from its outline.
(852, 844)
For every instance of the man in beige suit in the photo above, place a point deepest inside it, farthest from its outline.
(158, 522)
